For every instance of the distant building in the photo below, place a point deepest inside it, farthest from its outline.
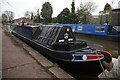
(95, 16)
(94, 19)
(115, 17)
(24, 19)
(104, 16)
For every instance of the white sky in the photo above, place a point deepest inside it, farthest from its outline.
(20, 6)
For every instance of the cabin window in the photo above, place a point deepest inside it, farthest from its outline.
(113, 29)
(73, 28)
(100, 29)
(80, 28)
(116, 29)
(37, 33)
(34, 30)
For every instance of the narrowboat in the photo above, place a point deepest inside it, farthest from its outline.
(95, 29)
(60, 45)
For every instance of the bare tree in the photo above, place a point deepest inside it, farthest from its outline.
(90, 6)
(10, 15)
(32, 16)
(4, 18)
(27, 14)
(85, 10)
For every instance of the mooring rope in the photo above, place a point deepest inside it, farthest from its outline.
(101, 66)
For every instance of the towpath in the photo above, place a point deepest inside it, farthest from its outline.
(0, 53)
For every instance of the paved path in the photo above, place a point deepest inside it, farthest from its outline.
(0, 52)
(18, 64)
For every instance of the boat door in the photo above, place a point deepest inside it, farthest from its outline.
(73, 28)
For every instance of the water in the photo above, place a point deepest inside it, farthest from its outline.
(100, 43)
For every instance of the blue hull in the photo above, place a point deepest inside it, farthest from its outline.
(94, 29)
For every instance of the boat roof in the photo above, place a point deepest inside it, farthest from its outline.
(118, 9)
(30, 26)
(49, 25)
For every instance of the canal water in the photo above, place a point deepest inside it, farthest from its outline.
(101, 43)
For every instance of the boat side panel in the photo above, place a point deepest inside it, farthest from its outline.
(23, 30)
(93, 29)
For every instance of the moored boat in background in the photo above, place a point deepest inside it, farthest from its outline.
(99, 30)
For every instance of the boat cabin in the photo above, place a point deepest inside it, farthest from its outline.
(55, 37)
(58, 38)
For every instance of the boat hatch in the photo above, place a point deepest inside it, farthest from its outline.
(86, 57)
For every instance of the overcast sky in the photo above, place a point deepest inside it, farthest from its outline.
(20, 6)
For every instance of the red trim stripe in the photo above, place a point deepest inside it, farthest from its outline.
(90, 57)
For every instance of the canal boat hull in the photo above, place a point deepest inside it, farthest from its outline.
(64, 59)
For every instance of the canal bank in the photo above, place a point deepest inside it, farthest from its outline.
(0, 52)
